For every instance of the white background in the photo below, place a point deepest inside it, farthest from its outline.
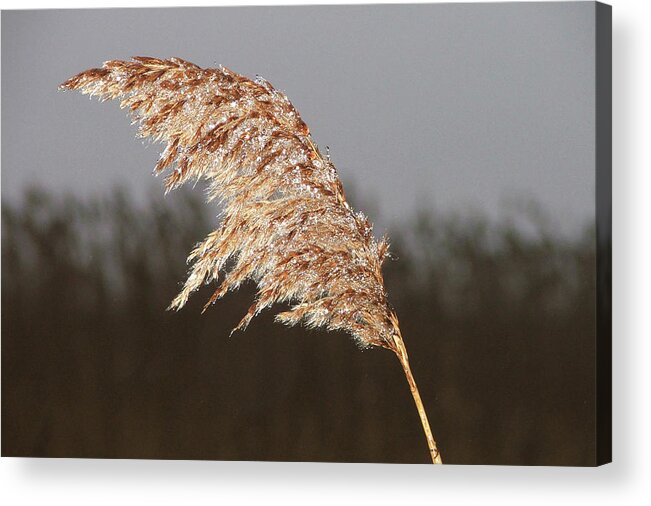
(626, 481)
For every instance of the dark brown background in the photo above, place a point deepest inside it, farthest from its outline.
(500, 325)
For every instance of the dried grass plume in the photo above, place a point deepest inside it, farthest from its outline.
(285, 224)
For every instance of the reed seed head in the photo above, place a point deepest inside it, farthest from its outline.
(285, 223)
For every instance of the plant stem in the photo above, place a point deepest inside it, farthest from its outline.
(404, 360)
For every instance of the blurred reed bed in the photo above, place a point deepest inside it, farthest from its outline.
(500, 326)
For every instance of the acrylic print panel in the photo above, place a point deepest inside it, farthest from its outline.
(409, 228)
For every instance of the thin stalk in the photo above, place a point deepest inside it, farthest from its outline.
(404, 361)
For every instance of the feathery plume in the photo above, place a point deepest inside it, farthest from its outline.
(285, 224)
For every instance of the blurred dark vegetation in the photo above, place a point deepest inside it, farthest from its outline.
(499, 323)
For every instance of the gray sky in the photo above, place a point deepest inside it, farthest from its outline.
(454, 107)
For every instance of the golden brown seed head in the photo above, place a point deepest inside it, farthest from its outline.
(286, 223)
